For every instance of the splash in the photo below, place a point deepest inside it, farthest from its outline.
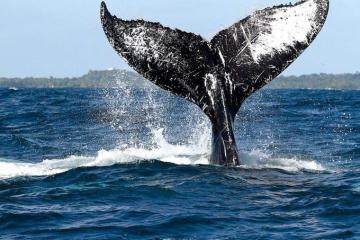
(194, 151)
(163, 151)
(194, 154)
(258, 159)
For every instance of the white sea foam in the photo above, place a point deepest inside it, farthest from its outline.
(195, 154)
(257, 159)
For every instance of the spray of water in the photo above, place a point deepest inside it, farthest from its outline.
(133, 147)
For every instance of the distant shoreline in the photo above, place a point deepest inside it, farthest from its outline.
(116, 78)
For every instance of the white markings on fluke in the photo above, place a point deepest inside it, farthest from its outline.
(219, 75)
(211, 85)
(283, 29)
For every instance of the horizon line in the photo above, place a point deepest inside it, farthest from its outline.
(133, 71)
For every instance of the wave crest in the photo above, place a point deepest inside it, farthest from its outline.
(194, 154)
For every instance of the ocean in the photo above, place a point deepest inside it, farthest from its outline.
(126, 163)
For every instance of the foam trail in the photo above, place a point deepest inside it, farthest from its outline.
(164, 151)
(257, 159)
(194, 154)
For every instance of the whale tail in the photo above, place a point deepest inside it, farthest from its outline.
(218, 75)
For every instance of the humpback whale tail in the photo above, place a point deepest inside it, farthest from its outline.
(218, 75)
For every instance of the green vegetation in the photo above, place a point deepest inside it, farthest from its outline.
(115, 78)
(319, 81)
(93, 79)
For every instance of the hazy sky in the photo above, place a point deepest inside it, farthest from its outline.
(64, 38)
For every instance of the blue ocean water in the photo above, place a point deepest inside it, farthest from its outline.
(132, 164)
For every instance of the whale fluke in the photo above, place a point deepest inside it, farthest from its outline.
(218, 75)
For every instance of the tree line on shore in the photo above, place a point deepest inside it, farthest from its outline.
(116, 78)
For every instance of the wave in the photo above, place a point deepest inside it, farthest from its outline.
(257, 159)
(194, 154)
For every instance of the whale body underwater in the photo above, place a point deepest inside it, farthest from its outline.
(218, 75)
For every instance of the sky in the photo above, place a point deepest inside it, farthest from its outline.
(64, 38)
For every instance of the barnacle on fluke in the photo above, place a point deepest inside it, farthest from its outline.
(219, 75)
